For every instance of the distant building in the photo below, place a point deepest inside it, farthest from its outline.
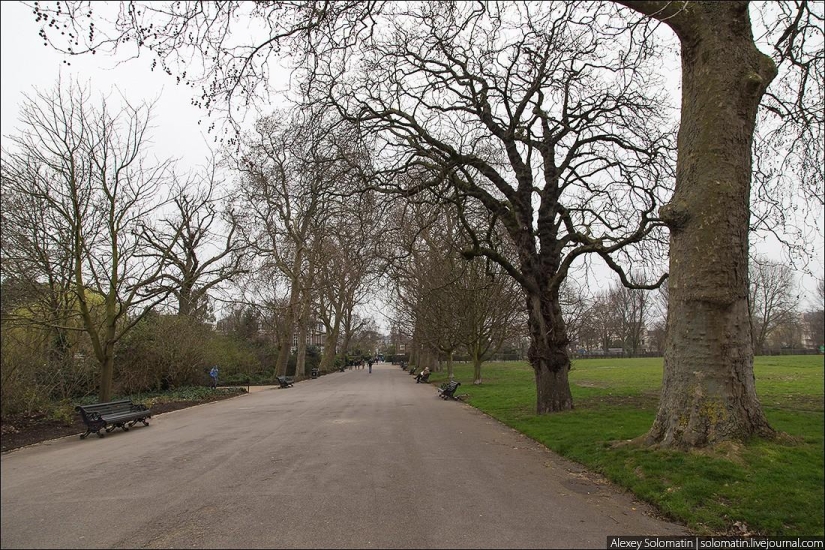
(316, 336)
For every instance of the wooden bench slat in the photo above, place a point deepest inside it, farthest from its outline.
(447, 391)
(111, 415)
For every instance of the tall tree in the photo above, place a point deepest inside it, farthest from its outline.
(280, 198)
(87, 167)
(492, 311)
(528, 126)
(346, 272)
(204, 255)
(708, 389)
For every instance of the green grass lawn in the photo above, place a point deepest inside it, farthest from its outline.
(775, 488)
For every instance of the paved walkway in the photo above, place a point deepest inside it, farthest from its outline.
(350, 460)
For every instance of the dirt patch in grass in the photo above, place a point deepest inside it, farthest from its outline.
(24, 429)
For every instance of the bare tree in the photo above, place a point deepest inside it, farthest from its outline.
(37, 266)
(631, 308)
(574, 306)
(345, 273)
(280, 199)
(519, 124)
(490, 307)
(773, 300)
(426, 285)
(202, 258)
(86, 167)
(601, 327)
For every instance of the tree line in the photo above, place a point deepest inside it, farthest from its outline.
(114, 264)
(546, 123)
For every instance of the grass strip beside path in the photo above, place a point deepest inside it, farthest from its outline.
(772, 488)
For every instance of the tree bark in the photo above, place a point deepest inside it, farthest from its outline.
(330, 347)
(476, 370)
(708, 389)
(548, 353)
(289, 316)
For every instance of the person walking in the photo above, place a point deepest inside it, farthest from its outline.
(213, 374)
(369, 362)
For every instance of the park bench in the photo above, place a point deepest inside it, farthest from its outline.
(422, 378)
(342, 368)
(412, 371)
(447, 391)
(113, 414)
(285, 381)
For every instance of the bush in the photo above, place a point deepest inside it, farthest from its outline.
(35, 373)
(167, 352)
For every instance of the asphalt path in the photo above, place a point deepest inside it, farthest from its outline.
(349, 460)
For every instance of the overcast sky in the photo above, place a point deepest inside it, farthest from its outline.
(27, 63)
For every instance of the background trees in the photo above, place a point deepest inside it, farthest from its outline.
(311, 235)
(525, 125)
(89, 253)
(815, 317)
(715, 151)
(281, 204)
(773, 300)
(450, 305)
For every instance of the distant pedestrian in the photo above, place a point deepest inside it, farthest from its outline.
(213, 374)
(370, 365)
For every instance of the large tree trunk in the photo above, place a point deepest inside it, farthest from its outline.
(301, 353)
(708, 392)
(548, 354)
(330, 347)
(285, 341)
(185, 298)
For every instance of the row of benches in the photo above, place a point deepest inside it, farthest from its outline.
(445, 391)
(124, 414)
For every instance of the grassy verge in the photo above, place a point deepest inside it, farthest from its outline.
(772, 488)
